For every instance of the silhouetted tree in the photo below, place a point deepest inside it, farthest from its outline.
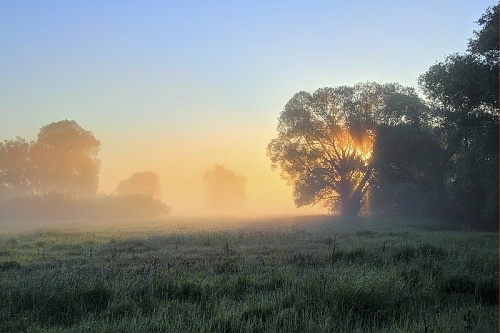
(325, 141)
(464, 90)
(410, 174)
(145, 183)
(14, 169)
(64, 159)
(225, 189)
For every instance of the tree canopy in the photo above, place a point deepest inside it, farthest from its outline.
(64, 159)
(463, 89)
(15, 173)
(325, 143)
(145, 183)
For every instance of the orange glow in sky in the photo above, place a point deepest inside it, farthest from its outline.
(181, 160)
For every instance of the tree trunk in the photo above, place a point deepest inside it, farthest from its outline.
(350, 197)
(351, 207)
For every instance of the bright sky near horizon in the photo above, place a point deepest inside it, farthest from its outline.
(176, 87)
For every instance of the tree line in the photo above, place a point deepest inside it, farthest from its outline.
(385, 149)
(56, 177)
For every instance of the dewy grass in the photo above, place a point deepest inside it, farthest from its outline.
(325, 275)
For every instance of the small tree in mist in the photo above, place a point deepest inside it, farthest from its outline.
(144, 183)
(225, 189)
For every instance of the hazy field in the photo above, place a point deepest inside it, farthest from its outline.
(282, 274)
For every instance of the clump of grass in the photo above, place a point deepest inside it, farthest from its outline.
(487, 291)
(354, 255)
(459, 283)
(124, 307)
(178, 290)
(10, 265)
(411, 252)
(95, 298)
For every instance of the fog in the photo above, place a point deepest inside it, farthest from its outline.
(181, 162)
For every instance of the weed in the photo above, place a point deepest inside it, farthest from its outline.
(469, 320)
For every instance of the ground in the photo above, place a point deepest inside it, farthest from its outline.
(281, 274)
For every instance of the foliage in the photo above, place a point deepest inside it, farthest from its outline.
(410, 182)
(64, 159)
(225, 189)
(15, 175)
(464, 89)
(392, 275)
(325, 141)
(145, 183)
(485, 41)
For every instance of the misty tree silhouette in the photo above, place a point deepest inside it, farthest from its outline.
(225, 191)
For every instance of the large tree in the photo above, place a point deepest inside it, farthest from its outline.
(464, 90)
(325, 141)
(410, 174)
(64, 159)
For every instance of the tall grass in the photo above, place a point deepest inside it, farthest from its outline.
(357, 275)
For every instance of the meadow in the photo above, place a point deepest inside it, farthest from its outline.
(282, 274)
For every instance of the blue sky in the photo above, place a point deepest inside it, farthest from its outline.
(188, 77)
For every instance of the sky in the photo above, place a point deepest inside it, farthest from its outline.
(175, 87)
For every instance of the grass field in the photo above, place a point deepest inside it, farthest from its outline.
(287, 274)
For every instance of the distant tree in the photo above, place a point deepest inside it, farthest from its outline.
(325, 141)
(464, 90)
(64, 160)
(225, 189)
(145, 183)
(14, 169)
